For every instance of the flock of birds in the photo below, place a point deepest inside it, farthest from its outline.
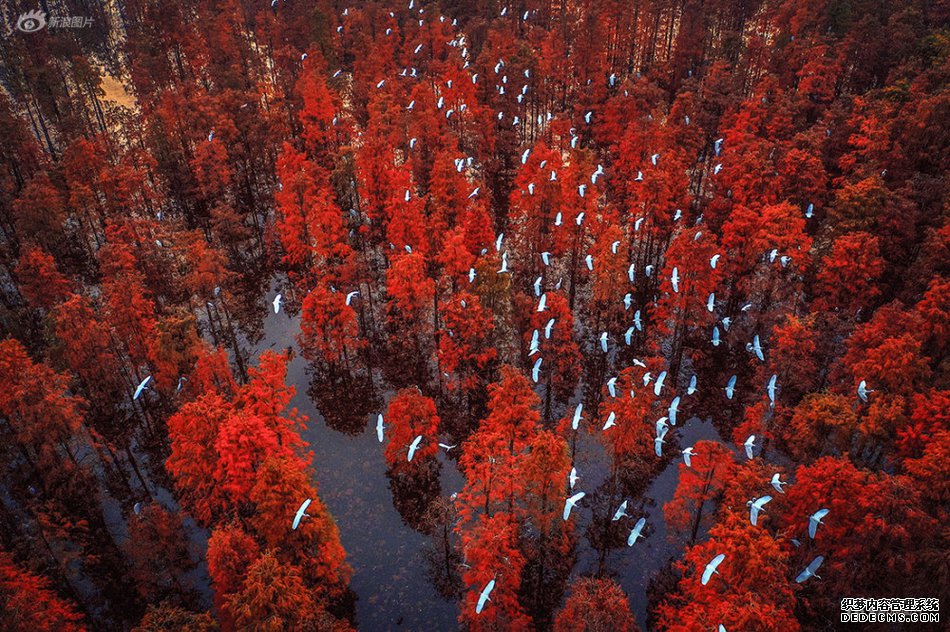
(755, 347)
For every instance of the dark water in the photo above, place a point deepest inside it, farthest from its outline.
(386, 554)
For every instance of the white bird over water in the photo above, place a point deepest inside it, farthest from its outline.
(301, 513)
(572, 477)
(571, 502)
(277, 300)
(621, 512)
(636, 532)
(688, 453)
(603, 342)
(536, 370)
(577, 416)
(711, 568)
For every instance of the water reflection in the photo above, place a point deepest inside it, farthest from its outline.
(398, 529)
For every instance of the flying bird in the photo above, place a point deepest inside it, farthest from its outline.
(571, 502)
(621, 512)
(814, 520)
(577, 416)
(277, 300)
(749, 446)
(536, 370)
(414, 446)
(863, 391)
(777, 483)
(730, 387)
(711, 568)
(755, 507)
(688, 454)
(636, 532)
(810, 570)
(141, 387)
(301, 513)
(484, 596)
(379, 427)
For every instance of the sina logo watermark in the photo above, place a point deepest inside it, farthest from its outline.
(37, 20)
(31, 21)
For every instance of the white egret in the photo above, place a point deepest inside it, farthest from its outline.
(771, 388)
(711, 568)
(715, 336)
(673, 409)
(484, 596)
(542, 302)
(621, 512)
(749, 446)
(571, 502)
(730, 387)
(546, 258)
(711, 302)
(675, 280)
(572, 477)
(755, 347)
(536, 370)
(611, 420)
(814, 520)
(863, 391)
(351, 296)
(637, 322)
(714, 260)
(612, 386)
(692, 385)
(547, 328)
(577, 415)
(277, 300)
(589, 262)
(414, 446)
(603, 342)
(658, 385)
(688, 454)
(636, 532)
(535, 343)
(658, 446)
(757, 506)
(810, 570)
(628, 335)
(141, 387)
(301, 513)
(777, 483)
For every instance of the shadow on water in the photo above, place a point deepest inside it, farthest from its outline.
(398, 533)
